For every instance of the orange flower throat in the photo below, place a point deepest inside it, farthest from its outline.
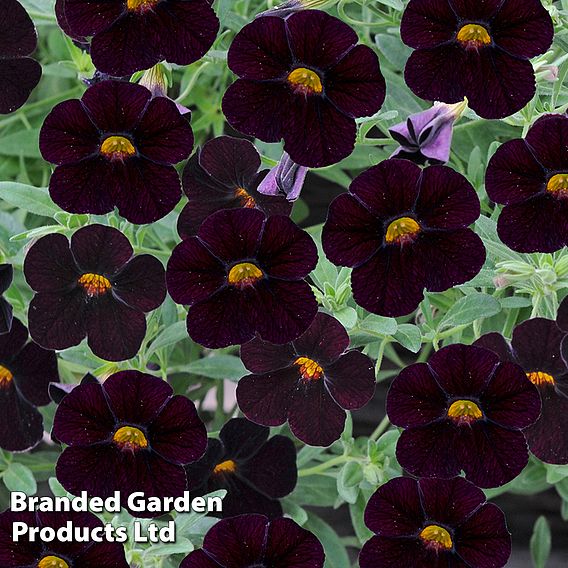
(6, 376)
(130, 438)
(305, 81)
(473, 36)
(95, 284)
(436, 538)
(309, 370)
(228, 466)
(52, 562)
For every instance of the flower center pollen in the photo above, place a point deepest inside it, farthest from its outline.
(95, 284)
(436, 538)
(538, 378)
(130, 438)
(309, 369)
(228, 466)
(140, 5)
(305, 81)
(464, 412)
(117, 148)
(52, 562)
(246, 199)
(402, 231)
(6, 376)
(473, 36)
(558, 185)
(244, 274)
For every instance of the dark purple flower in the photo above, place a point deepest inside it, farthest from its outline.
(250, 541)
(19, 74)
(309, 382)
(303, 78)
(244, 274)
(57, 554)
(115, 148)
(530, 177)
(58, 391)
(254, 470)
(25, 373)
(285, 179)
(535, 346)
(427, 135)
(128, 434)
(434, 523)
(463, 410)
(6, 314)
(224, 175)
(92, 287)
(403, 229)
(131, 35)
(479, 50)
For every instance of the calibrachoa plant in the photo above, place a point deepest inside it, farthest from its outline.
(309, 258)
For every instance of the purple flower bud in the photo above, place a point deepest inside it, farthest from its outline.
(427, 135)
(286, 178)
(155, 80)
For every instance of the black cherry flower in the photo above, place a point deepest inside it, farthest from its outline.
(254, 470)
(253, 540)
(19, 74)
(403, 229)
(463, 410)
(530, 178)
(303, 78)
(115, 147)
(244, 274)
(224, 175)
(479, 50)
(434, 523)
(535, 346)
(309, 382)
(92, 287)
(26, 553)
(127, 434)
(25, 373)
(131, 35)
(6, 313)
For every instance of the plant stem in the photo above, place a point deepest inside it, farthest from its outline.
(380, 429)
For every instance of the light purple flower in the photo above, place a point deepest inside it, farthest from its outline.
(286, 178)
(427, 136)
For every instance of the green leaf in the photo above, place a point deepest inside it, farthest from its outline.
(218, 366)
(319, 490)
(347, 316)
(335, 554)
(22, 143)
(409, 336)
(170, 335)
(469, 308)
(32, 199)
(18, 477)
(379, 325)
(540, 543)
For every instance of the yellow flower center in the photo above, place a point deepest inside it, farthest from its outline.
(117, 148)
(244, 274)
(6, 376)
(52, 562)
(464, 412)
(140, 5)
(95, 284)
(305, 81)
(437, 538)
(558, 185)
(246, 199)
(228, 466)
(473, 35)
(402, 231)
(538, 378)
(130, 438)
(309, 369)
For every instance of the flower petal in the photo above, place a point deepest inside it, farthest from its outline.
(395, 508)
(89, 17)
(265, 399)
(415, 398)
(351, 234)
(260, 51)
(262, 357)
(428, 24)
(314, 417)
(351, 380)
(514, 174)
(67, 134)
(18, 78)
